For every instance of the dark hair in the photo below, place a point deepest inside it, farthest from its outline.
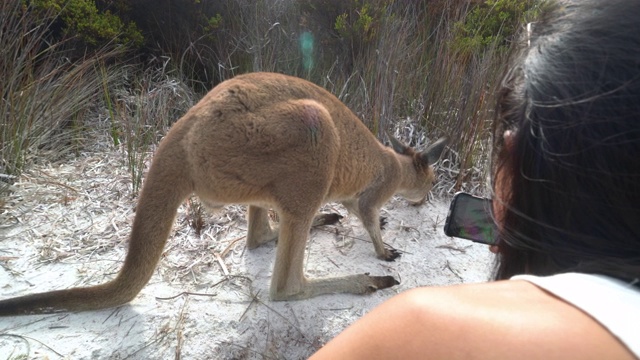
(572, 176)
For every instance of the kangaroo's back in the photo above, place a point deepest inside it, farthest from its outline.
(360, 154)
(268, 88)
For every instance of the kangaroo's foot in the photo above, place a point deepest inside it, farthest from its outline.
(352, 284)
(326, 219)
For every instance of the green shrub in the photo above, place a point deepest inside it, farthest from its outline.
(360, 23)
(82, 20)
(494, 22)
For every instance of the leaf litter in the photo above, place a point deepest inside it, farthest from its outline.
(67, 224)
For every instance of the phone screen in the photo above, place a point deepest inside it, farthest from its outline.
(470, 218)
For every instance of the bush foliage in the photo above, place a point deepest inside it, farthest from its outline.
(83, 21)
(494, 22)
(416, 67)
(217, 39)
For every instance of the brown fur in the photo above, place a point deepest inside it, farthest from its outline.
(268, 141)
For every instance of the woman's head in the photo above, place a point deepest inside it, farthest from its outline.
(570, 176)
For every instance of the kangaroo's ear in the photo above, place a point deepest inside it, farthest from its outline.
(397, 146)
(433, 152)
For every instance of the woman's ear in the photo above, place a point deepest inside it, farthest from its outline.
(509, 137)
(501, 184)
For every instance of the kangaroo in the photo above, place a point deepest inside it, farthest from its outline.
(268, 141)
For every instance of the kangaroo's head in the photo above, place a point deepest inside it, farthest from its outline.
(419, 178)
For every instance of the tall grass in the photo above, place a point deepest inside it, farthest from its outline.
(263, 36)
(406, 78)
(46, 99)
(44, 96)
(413, 81)
(144, 110)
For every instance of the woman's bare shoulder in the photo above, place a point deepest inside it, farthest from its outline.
(492, 320)
(504, 318)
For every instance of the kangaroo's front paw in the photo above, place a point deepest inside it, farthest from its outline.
(381, 282)
(383, 222)
(326, 219)
(390, 255)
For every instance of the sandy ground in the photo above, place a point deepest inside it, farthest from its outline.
(66, 224)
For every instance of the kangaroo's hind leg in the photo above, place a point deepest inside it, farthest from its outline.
(288, 281)
(306, 169)
(259, 230)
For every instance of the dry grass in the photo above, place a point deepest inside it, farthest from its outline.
(46, 99)
(142, 111)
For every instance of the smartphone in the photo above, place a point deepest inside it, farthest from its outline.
(470, 218)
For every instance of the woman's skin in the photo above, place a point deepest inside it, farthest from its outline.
(496, 320)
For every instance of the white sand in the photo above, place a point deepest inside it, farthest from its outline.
(67, 225)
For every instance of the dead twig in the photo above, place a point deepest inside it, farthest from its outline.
(448, 266)
(335, 232)
(231, 244)
(257, 299)
(253, 301)
(203, 294)
(451, 247)
(179, 327)
(223, 266)
(26, 338)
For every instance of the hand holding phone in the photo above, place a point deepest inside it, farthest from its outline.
(470, 218)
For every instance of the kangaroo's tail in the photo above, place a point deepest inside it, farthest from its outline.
(166, 186)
